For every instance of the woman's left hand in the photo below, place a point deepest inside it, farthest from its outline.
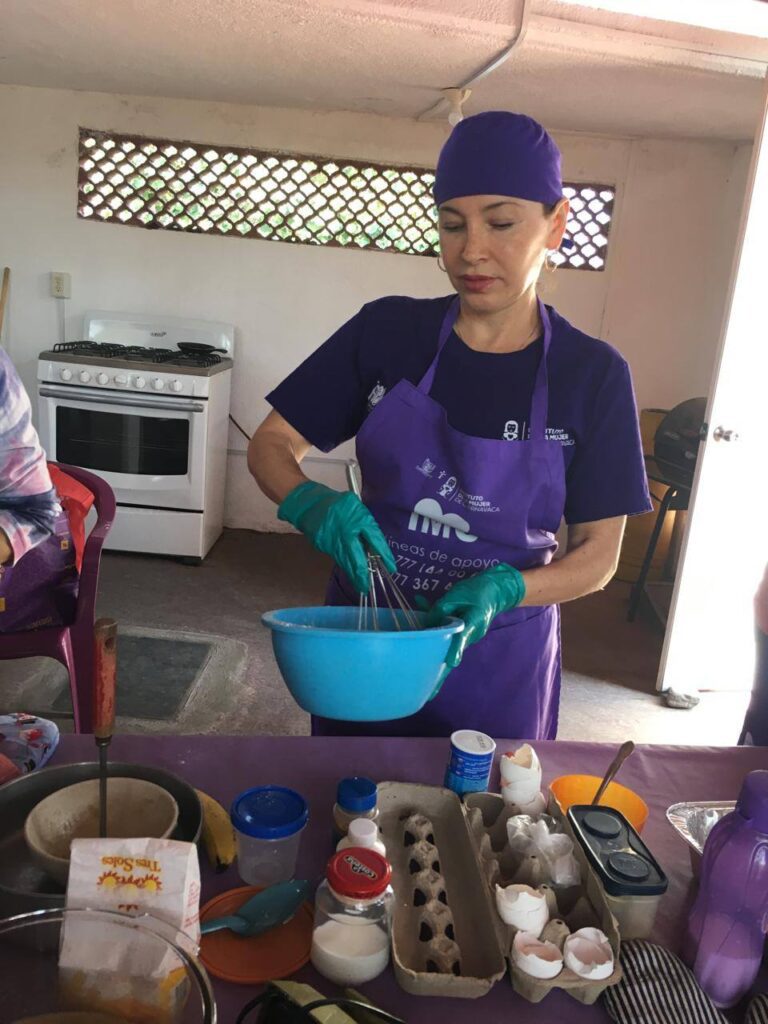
(477, 600)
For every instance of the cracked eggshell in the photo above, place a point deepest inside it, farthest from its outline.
(520, 775)
(527, 798)
(534, 807)
(536, 958)
(520, 764)
(523, 908)
(588, 954)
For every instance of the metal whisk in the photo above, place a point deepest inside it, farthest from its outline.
(368, 613)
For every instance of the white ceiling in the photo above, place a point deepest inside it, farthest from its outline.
(575, 68)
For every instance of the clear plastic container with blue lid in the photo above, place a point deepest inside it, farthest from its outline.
(268, 823)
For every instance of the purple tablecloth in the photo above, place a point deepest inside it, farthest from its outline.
(223, 765)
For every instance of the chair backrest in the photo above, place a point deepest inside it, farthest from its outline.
(106, 509)
(103, 495)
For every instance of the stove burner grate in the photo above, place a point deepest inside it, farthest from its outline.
(136, 353)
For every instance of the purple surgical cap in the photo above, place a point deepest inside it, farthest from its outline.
(499, 153)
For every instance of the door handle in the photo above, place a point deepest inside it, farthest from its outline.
(721, 434)
(105, 398)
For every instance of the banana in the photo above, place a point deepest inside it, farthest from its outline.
(218, 833)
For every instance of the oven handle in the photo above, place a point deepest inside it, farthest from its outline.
(138, 403)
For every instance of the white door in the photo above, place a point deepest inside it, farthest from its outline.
(710, 638)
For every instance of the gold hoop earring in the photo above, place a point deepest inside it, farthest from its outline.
(441, 265)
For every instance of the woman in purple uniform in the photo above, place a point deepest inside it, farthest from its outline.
(38, 576)
(481, 420)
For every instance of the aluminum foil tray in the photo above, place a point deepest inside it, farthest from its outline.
(694, 821)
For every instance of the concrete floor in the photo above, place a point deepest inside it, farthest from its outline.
(610, 665)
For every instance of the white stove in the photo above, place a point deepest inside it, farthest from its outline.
(127, 403)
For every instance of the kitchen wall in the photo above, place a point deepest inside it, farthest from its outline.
(660, 300)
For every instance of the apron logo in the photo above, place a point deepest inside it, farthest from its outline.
(376, 394)
(427, 467)
(511, 430)
(428, 516)
(448, 488)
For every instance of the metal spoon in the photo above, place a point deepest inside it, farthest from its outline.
(624, 751)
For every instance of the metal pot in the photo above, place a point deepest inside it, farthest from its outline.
(23, 886)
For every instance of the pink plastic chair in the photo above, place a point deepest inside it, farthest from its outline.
(72, 645)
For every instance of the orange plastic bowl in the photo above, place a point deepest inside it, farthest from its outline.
(580, 789)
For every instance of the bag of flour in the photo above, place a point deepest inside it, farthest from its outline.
(115, 968)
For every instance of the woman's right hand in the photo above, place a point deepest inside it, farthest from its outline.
(340, 525)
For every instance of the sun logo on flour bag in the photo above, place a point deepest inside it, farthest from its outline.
(133, 883)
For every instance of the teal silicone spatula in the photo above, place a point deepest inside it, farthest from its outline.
(267, 909)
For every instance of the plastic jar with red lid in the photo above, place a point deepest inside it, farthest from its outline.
(353, 917)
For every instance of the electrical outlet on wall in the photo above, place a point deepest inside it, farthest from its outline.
(61, 285)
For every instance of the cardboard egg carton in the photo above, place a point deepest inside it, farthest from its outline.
(444, 940)
(570, 909)
(447, 936)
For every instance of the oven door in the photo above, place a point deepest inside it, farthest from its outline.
(149, 448)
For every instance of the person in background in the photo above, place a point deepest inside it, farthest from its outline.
(38, 574)
(482, 419)
(755, 731)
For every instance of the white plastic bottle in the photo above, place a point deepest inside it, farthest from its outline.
(364, 833)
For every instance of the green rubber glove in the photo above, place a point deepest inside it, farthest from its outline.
(477, 600)
(340, 525)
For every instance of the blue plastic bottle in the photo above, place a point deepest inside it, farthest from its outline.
(727, 923)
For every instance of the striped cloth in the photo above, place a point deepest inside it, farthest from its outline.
(758, 1011)
(657, 988)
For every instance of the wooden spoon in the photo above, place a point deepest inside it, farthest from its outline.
(624, 751)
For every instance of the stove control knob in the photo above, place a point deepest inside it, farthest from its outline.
(158, 383)
(102, 378)
(84, 376)
(140, 382)
(65, 374)
(176, 385)
(121, 380)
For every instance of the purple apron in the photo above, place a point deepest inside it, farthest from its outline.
(41, 589)
(450, 506)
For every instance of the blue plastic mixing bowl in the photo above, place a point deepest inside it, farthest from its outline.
(336, 671)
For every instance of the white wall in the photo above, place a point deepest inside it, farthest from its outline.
(659, 301)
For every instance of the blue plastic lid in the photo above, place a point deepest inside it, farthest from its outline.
(269, 812)
(357, 794)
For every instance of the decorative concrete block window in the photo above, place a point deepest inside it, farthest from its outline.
(287, 197)
(588, 226)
